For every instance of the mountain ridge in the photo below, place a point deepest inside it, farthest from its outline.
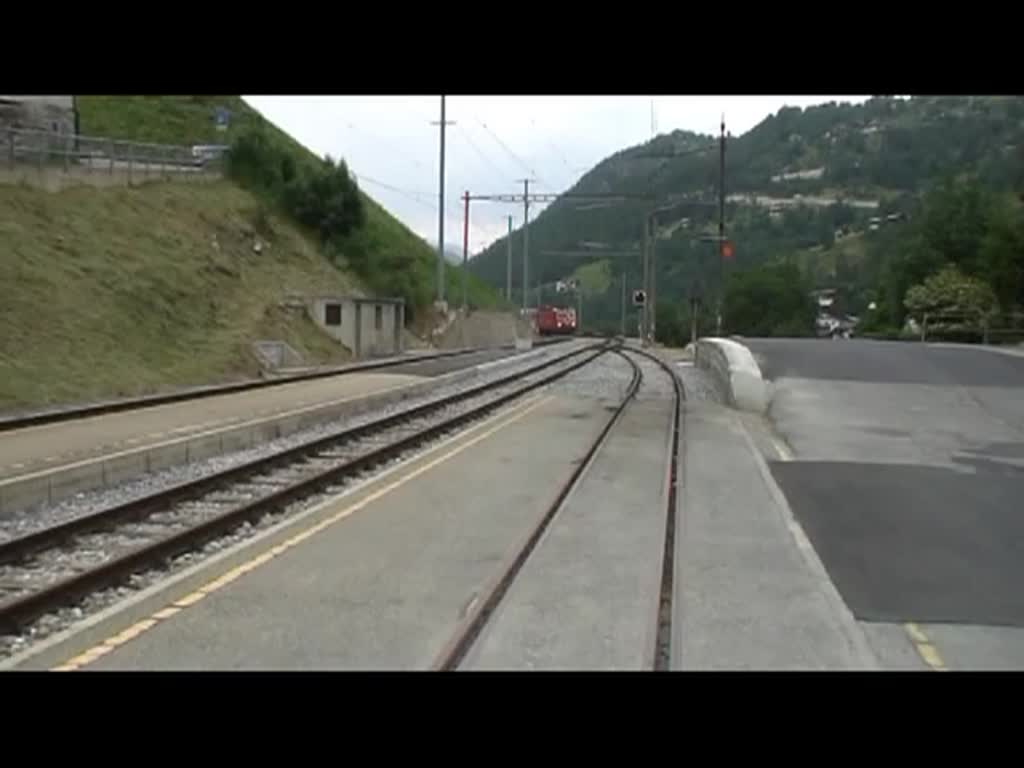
(857, 161)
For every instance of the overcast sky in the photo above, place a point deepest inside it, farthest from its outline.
(391, 146)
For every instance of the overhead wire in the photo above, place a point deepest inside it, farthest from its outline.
(479, 152)
(509, 150)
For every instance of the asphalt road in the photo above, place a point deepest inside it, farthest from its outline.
(907, 472)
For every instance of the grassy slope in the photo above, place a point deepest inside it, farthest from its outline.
(121, 291)
(117, 291)
(189, 120)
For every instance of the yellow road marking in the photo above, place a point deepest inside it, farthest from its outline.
(177, 606)
(784, 453)
(916, 634)
(188, 600)
(133, 631)
(925, 648)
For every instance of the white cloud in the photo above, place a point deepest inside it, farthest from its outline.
(496, 141)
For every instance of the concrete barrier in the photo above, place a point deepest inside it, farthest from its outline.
(51, 486)
(735, 371)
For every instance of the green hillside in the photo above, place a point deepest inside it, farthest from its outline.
(887, 152)
(123, 291)
(118, 292)
(391, 259)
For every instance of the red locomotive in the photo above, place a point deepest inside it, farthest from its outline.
(555, 321)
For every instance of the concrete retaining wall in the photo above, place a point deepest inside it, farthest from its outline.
(735, 371)
(55, 178)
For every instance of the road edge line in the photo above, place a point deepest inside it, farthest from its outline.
(848, 624)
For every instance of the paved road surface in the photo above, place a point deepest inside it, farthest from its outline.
(907, 476)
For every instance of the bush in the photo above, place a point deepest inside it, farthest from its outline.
(773, 300)
(326, 200)
(323, 196)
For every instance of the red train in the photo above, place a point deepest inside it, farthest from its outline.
(555, 321)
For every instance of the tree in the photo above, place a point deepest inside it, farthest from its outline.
(1002, 252)
(951, 295)
(771, 300)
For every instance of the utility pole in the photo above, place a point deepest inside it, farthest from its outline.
(721, 225)
(652, 298)
(440, 217)
(465, 254)
(526, 243)
(644, 319)
(623, 329)
(508, 263)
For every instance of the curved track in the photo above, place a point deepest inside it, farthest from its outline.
(460, 644)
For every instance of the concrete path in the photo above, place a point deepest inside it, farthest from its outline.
(750, 593)
(386, 587)
(588, 596)
(45, 447)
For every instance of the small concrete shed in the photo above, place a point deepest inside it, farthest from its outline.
(369, 327)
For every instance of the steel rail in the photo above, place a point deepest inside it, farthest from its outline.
(455, 651)
(74, 413)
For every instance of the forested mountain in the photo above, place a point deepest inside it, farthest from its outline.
(840, 191)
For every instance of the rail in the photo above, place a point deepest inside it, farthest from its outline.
(10, 422)
(470, 629)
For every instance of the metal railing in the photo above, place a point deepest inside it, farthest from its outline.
(1005, 327)
(60, 151)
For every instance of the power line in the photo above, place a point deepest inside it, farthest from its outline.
(507, 149)
(556, 150)
(453, 210)
(479, 152)
(391, 146)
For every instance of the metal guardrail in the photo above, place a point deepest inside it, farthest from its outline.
(94, 154)
(944, 324)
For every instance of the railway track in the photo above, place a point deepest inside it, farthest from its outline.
(466, 635)
(55, 567)
(55, 415)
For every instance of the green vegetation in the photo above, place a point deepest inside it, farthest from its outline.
(116, 291)
(770, 300)
(890, 151)
(128, 291)
(962, 252)
(317, 193)
(174, 120)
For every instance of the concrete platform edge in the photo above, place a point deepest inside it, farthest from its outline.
(55, 485)
(95, 629)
